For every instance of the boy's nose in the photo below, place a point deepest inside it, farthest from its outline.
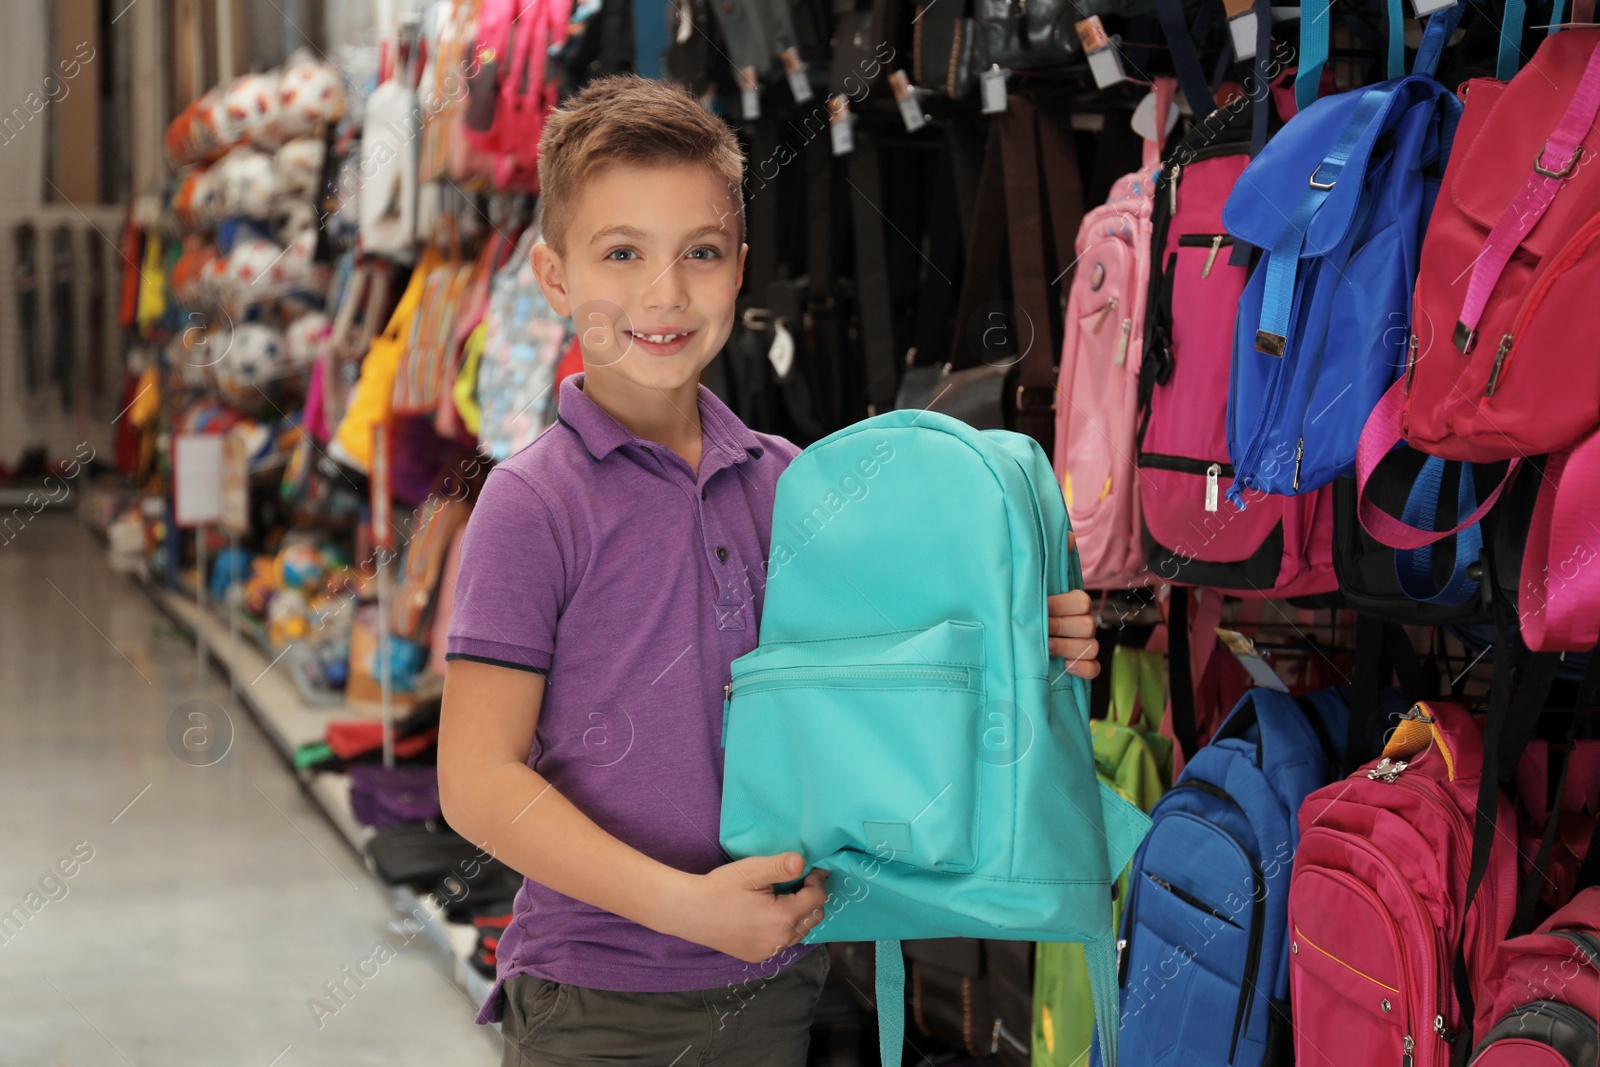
(667, 290)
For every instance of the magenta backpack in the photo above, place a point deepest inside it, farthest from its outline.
(1545, 993)
(510, 94)
(1099, 376)
(1192, 535)
(1376, 903)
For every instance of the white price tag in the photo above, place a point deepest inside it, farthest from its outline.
(1243, 29)
(906, 97)
(795, 70)
(1106, 66)
(843, 132)
(749, 94)
(781, 354)
(993, 85)
(1424, 8)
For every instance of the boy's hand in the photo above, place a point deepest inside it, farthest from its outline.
(733, 908)
(1072, 628)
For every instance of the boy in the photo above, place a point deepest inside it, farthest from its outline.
(632, 536)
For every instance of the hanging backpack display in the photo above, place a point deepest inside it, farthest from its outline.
(1338, 201)
(1545, 993)
(1209, 888)
(1376, 910)
(1509, 268)
(1097, 396)
(902, 724)
(522, 344)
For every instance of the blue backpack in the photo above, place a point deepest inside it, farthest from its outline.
(1203, 941)
(901, 724)
(1338, 201)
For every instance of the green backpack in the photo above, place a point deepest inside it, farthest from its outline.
(1133, 757)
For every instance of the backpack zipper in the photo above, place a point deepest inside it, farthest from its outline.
(1258, 906)
(1568, 254)
(1213, 241)
(1122, 342)
(1172, 188)
(1190, 899)
(866, 676)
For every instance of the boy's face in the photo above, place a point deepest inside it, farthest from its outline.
(650, 273)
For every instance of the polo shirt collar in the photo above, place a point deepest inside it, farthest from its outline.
(602, 434)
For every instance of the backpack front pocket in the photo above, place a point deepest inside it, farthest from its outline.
(867, 743)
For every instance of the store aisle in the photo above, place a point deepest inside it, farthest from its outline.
(153, 912)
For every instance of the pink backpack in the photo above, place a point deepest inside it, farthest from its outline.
(1545, 993)
(513, 41)
(1192, 535)
(1099, 377)
(1504, 305)
(1376, 899)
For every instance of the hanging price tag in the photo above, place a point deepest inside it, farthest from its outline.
(992, 82)
(781, 354)
(906, 96)
(1242, 25)
(1259, 670)
(1105, 62)
(794, 69)
(841, 125)
(749, 94)
(1425, 8)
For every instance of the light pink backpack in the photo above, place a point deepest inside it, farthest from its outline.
(1098, 388)
(1377, 904)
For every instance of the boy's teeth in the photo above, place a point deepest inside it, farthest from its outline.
(659, 338)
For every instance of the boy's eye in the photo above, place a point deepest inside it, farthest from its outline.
(703, 252)
(622, 254)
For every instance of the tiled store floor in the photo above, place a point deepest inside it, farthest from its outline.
(207, 907)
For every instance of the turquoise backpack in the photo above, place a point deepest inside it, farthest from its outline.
(901, 724)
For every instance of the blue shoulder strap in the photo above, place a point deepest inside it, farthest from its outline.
(1314, 47)
(1510, 54)
(1414, 568)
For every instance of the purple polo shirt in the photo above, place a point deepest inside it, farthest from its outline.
(601, 560)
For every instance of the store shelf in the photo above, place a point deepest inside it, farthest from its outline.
(283, 713)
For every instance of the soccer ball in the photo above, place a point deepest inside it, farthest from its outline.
(249, 183)
(252, 106)
(305, 337)
(253, 360)
(299, 166)
(255, 270)
(309, 95)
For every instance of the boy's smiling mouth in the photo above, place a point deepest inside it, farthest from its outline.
(661, 342)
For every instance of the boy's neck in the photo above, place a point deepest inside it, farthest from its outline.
(668, 417)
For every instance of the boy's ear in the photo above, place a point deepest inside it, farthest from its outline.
(744, 250)
(552, 275)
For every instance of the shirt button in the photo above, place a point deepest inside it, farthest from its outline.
(645, 447)
(722, 553)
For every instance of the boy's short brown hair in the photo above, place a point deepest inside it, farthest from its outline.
(628, 119)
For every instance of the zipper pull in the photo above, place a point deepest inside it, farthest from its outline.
(1499, 361)
(1410, 1046)
(1299, 454)
(1122, 341)
(1411, 362)
(1439, 1028)
(1172, 188)
(1388, 770)
(1211, 256)
(727, 706)
(1212, 473)
(1105, 309)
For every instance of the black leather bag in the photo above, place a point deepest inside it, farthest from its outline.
(943, 43)
(1027, 34)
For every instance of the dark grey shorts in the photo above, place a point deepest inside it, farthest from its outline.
(764, 1021)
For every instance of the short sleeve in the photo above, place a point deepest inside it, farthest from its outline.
(512, 583)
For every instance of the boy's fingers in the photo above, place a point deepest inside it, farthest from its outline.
(1082, 656)
(1076, 602)
(1081, 626)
